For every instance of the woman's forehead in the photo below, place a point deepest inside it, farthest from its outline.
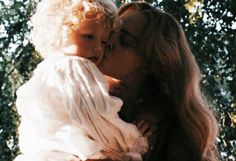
(133, 21)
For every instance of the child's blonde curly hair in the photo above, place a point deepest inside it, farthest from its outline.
(55, 19)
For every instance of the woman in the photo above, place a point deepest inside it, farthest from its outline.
(156, 75)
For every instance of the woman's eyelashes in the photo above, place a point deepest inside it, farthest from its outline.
(123, 41)
(126, 41)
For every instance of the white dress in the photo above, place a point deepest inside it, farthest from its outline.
(68, 115)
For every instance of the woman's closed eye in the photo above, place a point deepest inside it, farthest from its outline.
(126, 40)
(123, 41)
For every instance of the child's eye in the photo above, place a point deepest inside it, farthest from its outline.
(88, 36)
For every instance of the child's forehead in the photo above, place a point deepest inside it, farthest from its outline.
(93, 26)
(90, 14)
(101, 11)
(88, 6)
(91, 23)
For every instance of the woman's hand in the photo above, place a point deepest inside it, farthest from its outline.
(144, 127)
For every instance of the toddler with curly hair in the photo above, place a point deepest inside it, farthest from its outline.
(66, 111)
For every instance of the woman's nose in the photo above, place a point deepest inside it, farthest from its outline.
(109, 46)
(114, 41)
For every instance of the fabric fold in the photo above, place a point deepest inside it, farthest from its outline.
(65, 107)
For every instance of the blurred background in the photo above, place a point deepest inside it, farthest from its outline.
(210, 26)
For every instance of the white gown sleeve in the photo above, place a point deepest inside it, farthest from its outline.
(65, 107)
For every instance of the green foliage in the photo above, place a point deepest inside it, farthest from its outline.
(16, 63)
(213, 40)
(208, 27)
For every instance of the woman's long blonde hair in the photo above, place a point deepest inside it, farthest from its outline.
(170, 59)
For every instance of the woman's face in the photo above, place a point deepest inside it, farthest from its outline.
(124, 58)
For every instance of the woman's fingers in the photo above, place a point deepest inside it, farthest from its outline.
(144, 128)
(117, 87)
(148, 133)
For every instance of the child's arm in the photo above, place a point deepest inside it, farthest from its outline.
(52, 108)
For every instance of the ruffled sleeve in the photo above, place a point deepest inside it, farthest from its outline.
(66, 107)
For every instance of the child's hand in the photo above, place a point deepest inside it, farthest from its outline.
(144, 128)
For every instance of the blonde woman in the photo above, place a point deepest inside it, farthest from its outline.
(66, 111)
(157, 77)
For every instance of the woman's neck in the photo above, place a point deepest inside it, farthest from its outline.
(127, 89)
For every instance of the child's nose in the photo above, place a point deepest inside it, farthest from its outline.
(99, 48)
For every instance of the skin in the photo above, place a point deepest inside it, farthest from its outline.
(124, 55)
(88, 41)
(123, 63)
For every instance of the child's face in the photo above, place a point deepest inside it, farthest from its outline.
(88, 41)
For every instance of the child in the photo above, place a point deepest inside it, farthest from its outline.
(67, 113)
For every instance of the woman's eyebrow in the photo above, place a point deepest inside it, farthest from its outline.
(130, 34)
